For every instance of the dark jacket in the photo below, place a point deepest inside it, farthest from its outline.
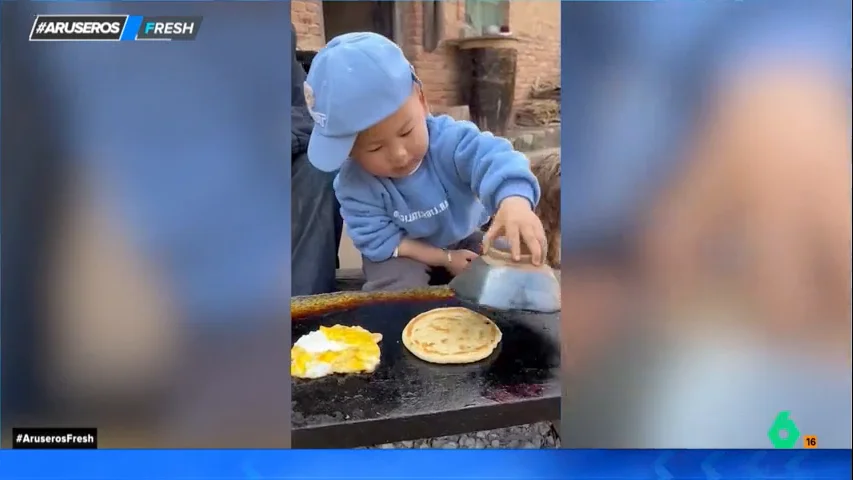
(300, 121)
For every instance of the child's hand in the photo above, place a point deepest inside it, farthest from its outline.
(516, 221)
(458, 260)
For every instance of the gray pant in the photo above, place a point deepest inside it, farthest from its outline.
(316, 229)
(405, 273)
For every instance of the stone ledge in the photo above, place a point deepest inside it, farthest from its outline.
(524, 139)
(349, 279)
(352, 279)
(535, 138)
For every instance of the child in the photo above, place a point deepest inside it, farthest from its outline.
(414, 189)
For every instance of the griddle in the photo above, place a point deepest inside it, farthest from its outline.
(407, 398)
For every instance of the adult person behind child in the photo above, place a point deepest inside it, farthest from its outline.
(314, 215)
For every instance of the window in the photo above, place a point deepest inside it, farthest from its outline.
(485, 13)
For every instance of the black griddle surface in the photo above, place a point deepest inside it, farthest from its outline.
(407, 398)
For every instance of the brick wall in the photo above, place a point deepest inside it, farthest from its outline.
(535, 24)
(437, 69)
(307, 19)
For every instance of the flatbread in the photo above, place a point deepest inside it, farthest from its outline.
(451, 336)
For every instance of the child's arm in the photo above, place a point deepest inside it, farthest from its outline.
(372, 230)
(423, 252)
(489, 164)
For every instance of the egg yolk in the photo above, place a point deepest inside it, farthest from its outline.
(360, 353)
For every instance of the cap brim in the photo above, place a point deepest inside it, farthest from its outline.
(329, 153)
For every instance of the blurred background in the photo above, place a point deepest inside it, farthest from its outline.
(707, 239)
(146, 237)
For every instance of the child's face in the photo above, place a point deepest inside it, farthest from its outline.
(395, 146)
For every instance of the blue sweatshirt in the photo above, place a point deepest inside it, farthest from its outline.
(463, 179)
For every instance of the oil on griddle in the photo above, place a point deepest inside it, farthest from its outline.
(524, 365)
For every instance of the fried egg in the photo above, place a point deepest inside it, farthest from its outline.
(337, 349)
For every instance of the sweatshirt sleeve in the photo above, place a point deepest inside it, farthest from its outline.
(372, 230)
(489, 164)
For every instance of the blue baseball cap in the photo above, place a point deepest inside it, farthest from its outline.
(356, 81)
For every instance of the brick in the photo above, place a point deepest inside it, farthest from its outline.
(307, 19)
(535, 24)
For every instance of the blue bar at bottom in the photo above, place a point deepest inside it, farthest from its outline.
(423, 464)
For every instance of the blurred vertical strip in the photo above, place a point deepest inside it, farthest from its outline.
(706, 197)
(31, 171)
(146, 231)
